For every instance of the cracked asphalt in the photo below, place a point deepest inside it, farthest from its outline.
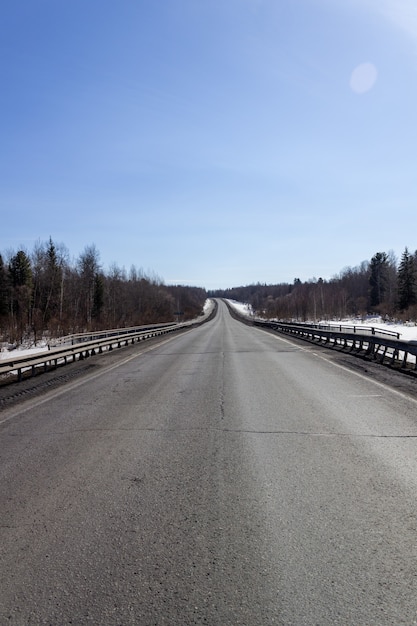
(223, 476)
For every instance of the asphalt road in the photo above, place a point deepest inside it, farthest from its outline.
(225, 476)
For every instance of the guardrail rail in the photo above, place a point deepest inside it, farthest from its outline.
(80, 350)
(380, 345)
(82, 345)
(103, 334)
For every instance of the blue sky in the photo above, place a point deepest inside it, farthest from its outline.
(212, 142)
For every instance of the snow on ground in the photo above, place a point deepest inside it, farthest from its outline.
(208, 305)
(408, 331)
(42, 345)
(241, 307)
(23, 350)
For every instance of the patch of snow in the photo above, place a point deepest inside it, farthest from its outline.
(406, 331)
(41, 346)
(241, 307)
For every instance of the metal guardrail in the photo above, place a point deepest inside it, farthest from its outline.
(83, 345)
(392, 351)
(356, 329)
(387, 350)
(80, 350)
(102, 334)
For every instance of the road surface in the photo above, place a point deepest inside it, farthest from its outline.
(225, 476)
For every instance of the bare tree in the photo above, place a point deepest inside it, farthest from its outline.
(88, 266)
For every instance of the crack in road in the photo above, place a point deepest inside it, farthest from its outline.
(222, 394)
(248, 431)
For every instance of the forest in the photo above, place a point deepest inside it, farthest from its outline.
(381, 286)
(45, 293)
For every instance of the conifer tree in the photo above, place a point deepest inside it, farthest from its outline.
(378, 278)
(53, 275)
(98, 296)
(4, 289)
(20, 271)
(406, 281)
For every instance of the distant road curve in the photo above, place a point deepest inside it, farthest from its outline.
(224, 476)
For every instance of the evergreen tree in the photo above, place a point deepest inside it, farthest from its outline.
(98, 296)
(4, 288)
(406, 281)
(20, 271)
(53, 276)
(378, 278)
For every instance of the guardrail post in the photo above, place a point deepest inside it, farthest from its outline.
(381, 360)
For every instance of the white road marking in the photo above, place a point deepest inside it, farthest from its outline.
(384, 386)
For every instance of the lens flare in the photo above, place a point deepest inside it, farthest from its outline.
(363, 78)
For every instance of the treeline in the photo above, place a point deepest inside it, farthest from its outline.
(44, 291)
(380, 286)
